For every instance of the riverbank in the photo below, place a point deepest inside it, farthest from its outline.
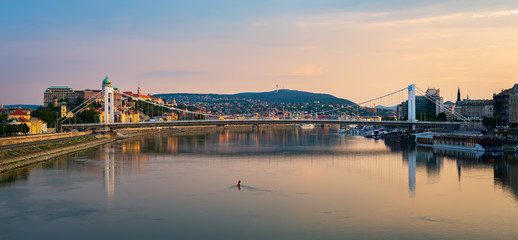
(19, 157)
(28, 155)
(15, 158)
(39, 137)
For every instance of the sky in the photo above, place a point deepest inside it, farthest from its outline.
(356, 50)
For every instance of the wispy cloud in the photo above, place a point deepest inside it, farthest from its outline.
(172, 74)
(495, 14)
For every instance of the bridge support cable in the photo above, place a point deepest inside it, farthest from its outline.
(171, 108)
(461, 117)
(456, 114)
(365, 102)
(80, 106)
(386, 95)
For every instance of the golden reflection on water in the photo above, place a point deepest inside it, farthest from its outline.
(304, 182)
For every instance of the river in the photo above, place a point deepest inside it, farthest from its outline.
(295, 184)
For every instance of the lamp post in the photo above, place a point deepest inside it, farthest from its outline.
(56, 126)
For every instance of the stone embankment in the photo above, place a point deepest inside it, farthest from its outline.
(39, 137)
(11, 159)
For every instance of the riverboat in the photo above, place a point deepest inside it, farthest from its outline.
(459, 142)
(307, 126)
(424, 139)
(466, 142)
(400, 137)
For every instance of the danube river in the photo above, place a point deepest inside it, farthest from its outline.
(296, 184)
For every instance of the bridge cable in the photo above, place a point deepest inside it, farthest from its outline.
(73, 111)
(374, 99)
(168, 107)
(456, 114)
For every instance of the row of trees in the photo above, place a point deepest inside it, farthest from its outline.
(11, 129)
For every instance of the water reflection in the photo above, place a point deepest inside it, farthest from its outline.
(109, 172)
(296, 183)
(412, 159)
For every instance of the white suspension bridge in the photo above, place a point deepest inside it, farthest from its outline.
(213, 119)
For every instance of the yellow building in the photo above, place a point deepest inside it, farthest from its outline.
(64, 112)
(130, 116)
(17, 114)
(123, 117)
(37, 126)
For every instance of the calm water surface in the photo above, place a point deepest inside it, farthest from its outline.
(297, 184)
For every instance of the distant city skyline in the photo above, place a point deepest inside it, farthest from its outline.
(355, 50)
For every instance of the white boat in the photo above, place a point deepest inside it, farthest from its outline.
(307, 126)
(424, 139)
(459, 142)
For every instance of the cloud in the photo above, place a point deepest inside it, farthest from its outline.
(172, 74)
(495, 14)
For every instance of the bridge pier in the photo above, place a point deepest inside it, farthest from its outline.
(108, 106)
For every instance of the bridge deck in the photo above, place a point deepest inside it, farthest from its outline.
(257, 122)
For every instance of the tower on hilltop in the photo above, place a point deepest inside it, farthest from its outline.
(139, 92)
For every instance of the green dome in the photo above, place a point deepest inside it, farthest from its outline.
(106, 80)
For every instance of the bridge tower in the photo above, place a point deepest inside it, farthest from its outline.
(108, 105)
(411, 103)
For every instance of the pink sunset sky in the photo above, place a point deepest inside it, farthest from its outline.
(356, 50)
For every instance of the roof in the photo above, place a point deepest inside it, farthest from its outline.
(503, 92)
(136, 95)
(22, 119)
(50, 89)
(475, 102)
(33, 119)
(18, 112)
(106, 80)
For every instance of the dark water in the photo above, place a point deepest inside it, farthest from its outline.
(296, 184)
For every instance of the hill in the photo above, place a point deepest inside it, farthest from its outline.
(22, 106)
(280, 96)
(393, 108)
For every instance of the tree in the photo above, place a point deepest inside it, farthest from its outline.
(89, 115)
(387, 118)
(441, 117)
(492, 122)
(79, 100)
(24, 128)
(47, 114)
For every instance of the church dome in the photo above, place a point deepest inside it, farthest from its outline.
(106, 80)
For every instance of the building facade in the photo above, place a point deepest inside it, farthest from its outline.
(435, 94)
(53, 95)
(58, 93)
(474, 109)
(501, 106)
(513, 105)
(422, 106)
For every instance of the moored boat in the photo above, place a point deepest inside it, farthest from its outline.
(424, 139)
(459, 142)
(307, 126)
(400, 137)
(466, 142)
